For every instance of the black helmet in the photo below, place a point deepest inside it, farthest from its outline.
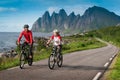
(26, 26)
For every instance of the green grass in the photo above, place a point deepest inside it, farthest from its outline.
(8, 63)
(74, 43)
(78, 46)
(114, 73)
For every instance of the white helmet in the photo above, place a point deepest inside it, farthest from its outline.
(55, 31)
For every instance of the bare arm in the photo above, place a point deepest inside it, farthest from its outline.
(49, 41)
(60, 40)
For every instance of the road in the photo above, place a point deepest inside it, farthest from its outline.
(81, 65)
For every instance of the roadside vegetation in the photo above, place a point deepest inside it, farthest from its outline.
(70, 44)
(111, 35)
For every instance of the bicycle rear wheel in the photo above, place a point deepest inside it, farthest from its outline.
(60, 60)
(51, 61)
(22, 60)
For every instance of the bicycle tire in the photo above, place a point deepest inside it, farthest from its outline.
(22, 60)
(51, 61)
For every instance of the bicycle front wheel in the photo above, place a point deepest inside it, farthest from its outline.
(22, 60)
(60, 60)
(51, 61)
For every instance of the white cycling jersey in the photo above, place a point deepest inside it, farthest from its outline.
(57, 40)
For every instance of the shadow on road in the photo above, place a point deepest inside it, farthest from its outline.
(82, 67)
(34, 67)
(68, 67)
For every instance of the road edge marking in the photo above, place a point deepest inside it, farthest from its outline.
(114, 55)
(110, 59)
(97, 76)
(106, 64)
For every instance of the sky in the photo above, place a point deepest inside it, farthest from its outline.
(15, 13)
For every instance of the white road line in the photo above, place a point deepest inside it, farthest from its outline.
(113, 55)
(97, 76)
(106, 64)
(110, 59)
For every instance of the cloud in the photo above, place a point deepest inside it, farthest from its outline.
(4, 9)
(77, 9)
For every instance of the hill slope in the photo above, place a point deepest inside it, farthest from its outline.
(110, 34)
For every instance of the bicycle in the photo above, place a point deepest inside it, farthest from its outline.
(55, 57)
(24, 56)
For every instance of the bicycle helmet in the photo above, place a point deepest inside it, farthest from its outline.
(26, 26)
(55, 31)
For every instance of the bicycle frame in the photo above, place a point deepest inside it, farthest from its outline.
(25, 49)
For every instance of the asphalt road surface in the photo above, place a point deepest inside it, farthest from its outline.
(81, 65)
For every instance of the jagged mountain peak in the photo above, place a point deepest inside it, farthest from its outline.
(54, 13)
(72, 14)
(46, 13)
(94, 18)
(62, 12)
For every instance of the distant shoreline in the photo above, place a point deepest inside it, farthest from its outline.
(8, 40)
(11, 37)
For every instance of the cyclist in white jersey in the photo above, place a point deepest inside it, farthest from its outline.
(57, 40)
